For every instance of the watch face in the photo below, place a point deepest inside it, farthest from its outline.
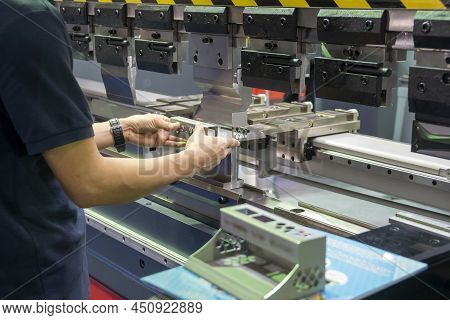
(114, 122)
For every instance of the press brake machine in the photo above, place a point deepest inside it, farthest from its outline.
(305, 165)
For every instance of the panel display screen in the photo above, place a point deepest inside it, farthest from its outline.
(263, 219)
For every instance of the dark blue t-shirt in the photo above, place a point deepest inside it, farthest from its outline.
(42, 232)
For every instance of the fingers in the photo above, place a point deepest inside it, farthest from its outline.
(171, 141)
(165, 124)
(173, 138)
(174, 126)
(230, 143)
(198, 135)
(199, 130)
(177, 144)
(233, 143)
(158, 116)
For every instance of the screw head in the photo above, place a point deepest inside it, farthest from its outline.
(369, 25)
(326, 23)
(348, 52)
(270, 45)
(79, 11)
(216, 18)
(116, 12)
(422, 87)
(250, 19)
(283, 21)
(63, 10)
(222, 200)
(98, 12)
(141, 52)
(189, 17)
(434, 242)
(139, 13)
(426, 26)
(280, 70)
(364, 80)
(161, 15)
(324, 75)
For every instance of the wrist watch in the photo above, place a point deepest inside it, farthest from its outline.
(117, 133)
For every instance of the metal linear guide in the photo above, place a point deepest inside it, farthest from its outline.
(125, 224)
(386, 151)
(428, 224)
(384, 166)
(324, 220)
(133, 240)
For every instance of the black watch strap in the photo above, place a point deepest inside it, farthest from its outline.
(117, 133)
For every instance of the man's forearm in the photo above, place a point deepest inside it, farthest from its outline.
(118, 180)
(91, 179)
(103, 136)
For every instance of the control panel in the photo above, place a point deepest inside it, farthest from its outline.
(259, 255)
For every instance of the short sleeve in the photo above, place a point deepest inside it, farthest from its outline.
(37, 87)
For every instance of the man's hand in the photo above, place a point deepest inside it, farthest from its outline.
(151, 131)
(92, 180)
(208, 151)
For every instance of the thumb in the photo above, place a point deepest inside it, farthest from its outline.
(233, 143)
(199, 130)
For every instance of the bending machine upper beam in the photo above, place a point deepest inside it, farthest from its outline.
(349, 4)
